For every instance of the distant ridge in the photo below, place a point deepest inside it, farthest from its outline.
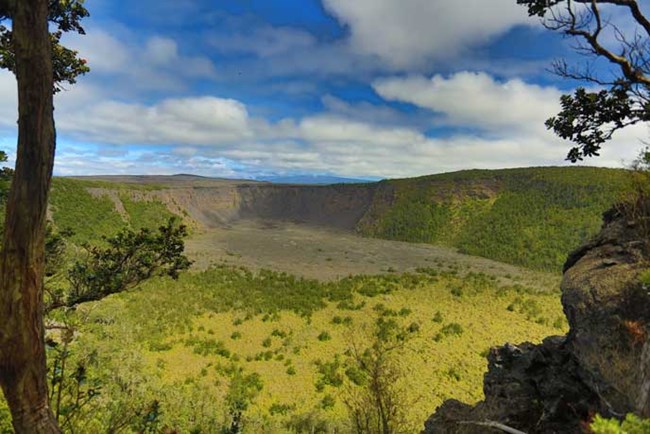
(312, 180)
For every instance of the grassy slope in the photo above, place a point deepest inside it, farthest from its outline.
(93, 216)
(173, 349)
(531, 217)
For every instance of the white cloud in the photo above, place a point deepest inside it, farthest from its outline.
(134, 67)
(408, 33)
(175, 121)
(218, 137)
(325, 129)
(476, 99)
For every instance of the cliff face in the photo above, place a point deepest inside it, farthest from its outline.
(602, 365)
(336, 206)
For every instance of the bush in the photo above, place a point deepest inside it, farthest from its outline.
(327, 402)
(324, 336)
(451, 329)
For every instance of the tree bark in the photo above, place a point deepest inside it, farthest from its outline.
(22, 351)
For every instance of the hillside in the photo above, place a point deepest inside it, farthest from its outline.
(283, 291)
(530, 217)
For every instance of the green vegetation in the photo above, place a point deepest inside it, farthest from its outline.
(631, 425)
(88, 216)
(252, 342)
(145, 213)
(88, 208)
(266, 351)
(531, 217)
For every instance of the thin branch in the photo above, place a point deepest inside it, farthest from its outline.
(490, 424)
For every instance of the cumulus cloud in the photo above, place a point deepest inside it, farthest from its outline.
(215, 136)
(475, 99)
(175, 121)
(408, 33)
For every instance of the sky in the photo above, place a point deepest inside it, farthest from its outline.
(353, 88)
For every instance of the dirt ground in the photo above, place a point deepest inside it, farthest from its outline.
(324, 253)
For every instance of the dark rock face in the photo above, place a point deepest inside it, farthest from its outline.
(602, 366)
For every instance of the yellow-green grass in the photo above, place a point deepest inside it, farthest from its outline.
(121, 336)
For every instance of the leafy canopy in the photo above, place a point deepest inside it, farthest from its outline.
(65, 16)
(129, 259)
(622, 95)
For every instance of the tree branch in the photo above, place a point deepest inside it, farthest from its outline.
(490, 424)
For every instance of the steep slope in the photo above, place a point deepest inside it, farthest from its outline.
(528, 217)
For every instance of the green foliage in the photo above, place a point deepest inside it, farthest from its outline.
(374, 400)
(65, 16)
(631, 425)
(242, 391)
(169, 342)
(5, 419)
(145, 214)
(327, 402)
(208, 347)
(644, 278)
(589, 119)
(531, 217)
(89, 217)
(324, 336)
(451, 329)
(130, 258)
(330, 374)
(6, 174)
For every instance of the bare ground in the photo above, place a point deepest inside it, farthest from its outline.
(325, 254)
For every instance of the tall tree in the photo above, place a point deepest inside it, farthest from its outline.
(589, 118)
(34, 55)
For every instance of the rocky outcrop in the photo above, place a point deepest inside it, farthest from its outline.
(601, 367)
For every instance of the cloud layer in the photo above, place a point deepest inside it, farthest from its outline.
(242, 96)
(409, 33)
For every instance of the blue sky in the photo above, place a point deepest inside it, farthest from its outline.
(363, 88)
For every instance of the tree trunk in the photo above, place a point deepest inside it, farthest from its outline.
(22, 352)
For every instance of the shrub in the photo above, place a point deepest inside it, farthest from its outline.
(327, 402)
(451, 329)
